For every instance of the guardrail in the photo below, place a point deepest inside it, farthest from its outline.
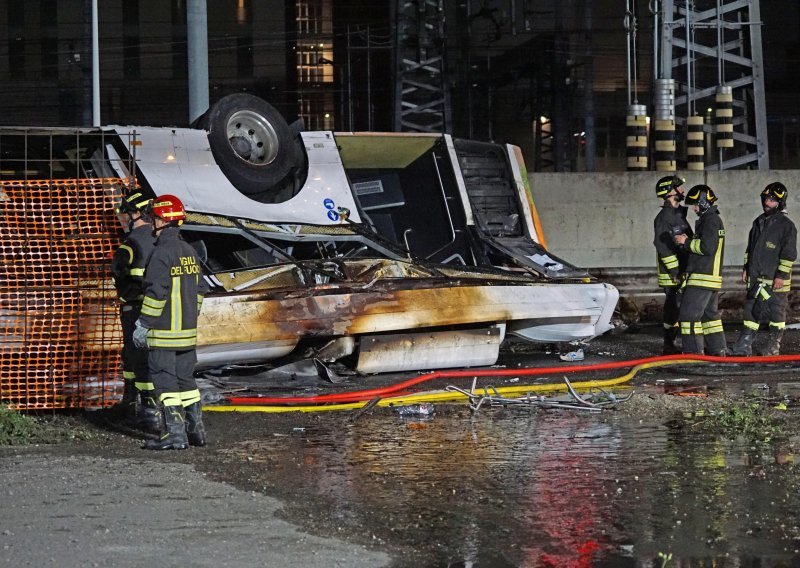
(640, 298)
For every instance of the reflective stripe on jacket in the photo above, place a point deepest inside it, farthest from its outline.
(707, 249)
(670, 257)
(173, 293)
(128, 262)
(771, 250)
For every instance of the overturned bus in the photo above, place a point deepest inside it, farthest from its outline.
(391, 252)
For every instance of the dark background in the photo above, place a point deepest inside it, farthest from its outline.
(332, 63)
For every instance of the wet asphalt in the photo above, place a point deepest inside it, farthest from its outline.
(518, 485)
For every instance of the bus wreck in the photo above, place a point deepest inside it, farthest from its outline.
(389, 252)
(406, 251)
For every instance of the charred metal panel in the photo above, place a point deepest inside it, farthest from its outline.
(529, 213)
(386, 307)
(430, 350)
(239, 353)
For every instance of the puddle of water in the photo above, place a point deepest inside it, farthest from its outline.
(530, 488)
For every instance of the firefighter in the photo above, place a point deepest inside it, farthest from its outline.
(671, 258)
(767, 273)
(701, 325)
(167, 327)
(127, 269)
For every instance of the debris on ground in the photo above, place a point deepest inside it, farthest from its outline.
(417, 410)
(595, 401)
(572, 356)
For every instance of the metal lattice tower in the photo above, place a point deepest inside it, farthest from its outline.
(712, 45)
(422, 103)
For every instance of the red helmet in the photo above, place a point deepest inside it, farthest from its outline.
(168, 208)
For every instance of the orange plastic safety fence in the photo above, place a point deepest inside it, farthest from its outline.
(59, 324)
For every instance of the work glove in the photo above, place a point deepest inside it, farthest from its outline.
(140, 336)
(675, 276)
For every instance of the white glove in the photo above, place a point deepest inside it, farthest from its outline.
(140, 336)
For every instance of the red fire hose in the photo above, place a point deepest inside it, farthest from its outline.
(361, 395)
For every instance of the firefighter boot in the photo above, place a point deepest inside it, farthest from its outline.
(195, 430)
(715, 344)
(173, 430)
(744, 345)
(692, 343)
(149, 418)
(670, 335)
(773, 346)
(126, 408)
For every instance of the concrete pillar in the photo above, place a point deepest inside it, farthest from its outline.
(197, 40)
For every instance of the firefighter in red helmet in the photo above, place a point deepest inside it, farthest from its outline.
(173, 293)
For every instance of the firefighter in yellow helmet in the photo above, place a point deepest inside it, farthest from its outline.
(671, 258)
(173, 294)
(768, 259)
(700, 321)
(127, 270)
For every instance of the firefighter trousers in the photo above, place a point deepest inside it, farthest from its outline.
(172, 373)
(701, 323)
(672, 306)
(757, 310)
(134, 361)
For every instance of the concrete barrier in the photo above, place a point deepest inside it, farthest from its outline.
(605, 220)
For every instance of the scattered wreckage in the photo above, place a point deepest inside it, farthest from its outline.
(594, 401)
(387, 252)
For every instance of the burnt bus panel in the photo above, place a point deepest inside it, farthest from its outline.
(422, 350)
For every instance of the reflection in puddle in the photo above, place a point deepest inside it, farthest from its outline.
(528, 488)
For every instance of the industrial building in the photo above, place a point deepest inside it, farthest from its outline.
(556, 78)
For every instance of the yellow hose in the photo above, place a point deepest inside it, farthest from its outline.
(450, 396)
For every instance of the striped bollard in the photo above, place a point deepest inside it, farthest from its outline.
(665, 145)
(723, 117)
(636, 138)
(695, 144)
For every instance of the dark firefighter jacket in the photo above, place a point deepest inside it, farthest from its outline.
(127, 265)
(706, 250)
(670, 258)
(173, 293)
(771, 249)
